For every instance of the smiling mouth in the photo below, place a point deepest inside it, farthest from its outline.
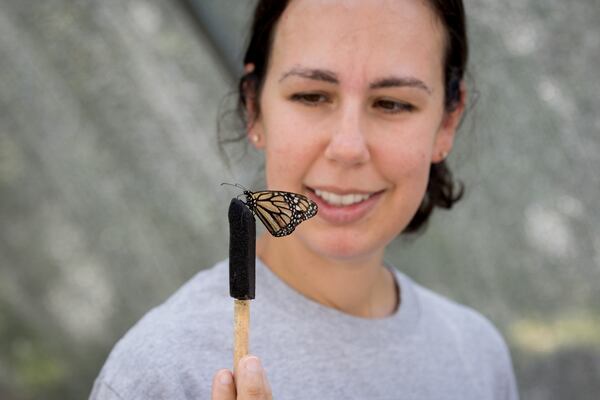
(340, 200)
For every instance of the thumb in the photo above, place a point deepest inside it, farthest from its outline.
(251, 380)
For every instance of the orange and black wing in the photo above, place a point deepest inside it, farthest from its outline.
(281, 212)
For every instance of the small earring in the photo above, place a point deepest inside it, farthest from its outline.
(254, 138)
(444, 154)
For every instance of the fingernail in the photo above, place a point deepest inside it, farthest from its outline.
(253, 365)
(225, 378)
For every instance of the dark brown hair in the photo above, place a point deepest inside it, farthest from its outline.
(442, 190)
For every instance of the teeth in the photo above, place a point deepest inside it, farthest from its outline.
(341, 200)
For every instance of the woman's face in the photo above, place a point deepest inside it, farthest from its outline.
(352, 116)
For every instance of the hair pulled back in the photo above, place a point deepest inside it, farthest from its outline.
(442, 191)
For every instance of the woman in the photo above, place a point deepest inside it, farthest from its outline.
(356, 105)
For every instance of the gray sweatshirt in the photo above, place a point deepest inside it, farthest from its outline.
(431, 348)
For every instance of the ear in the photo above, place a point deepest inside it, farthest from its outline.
(450, 122)
(253, 123)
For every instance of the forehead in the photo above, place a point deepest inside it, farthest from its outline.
(372, 36)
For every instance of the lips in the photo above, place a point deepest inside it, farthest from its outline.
(340, 207)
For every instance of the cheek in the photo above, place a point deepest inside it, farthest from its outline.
(404, 164)
(404, 150)
(287, 159)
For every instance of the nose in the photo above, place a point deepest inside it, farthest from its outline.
(347, 145)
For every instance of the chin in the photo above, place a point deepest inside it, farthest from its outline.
(343, 246)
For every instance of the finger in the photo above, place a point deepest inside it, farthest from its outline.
(222, 386)
(252, 382)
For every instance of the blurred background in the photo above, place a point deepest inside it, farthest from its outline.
(110, 172)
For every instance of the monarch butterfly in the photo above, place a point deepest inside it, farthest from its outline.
(279, 211)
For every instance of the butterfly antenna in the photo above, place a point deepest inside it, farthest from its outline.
(237, 185)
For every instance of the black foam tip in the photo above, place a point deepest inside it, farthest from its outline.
(242, 251)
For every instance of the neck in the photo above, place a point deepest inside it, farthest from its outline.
(362, 287)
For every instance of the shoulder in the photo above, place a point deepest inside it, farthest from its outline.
(176, 347)
(464, 322)
(480, 346)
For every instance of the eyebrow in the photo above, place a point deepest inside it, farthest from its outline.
(331, 77)
(393, 81)
(310, 73)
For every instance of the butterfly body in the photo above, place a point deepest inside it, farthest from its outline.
(279, 211)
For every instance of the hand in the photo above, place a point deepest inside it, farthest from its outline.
(250, 382)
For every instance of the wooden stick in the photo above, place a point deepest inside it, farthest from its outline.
(241, 316)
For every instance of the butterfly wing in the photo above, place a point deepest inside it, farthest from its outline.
(280, 212)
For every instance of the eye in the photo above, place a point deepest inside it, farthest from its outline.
(393, 106)
(311, 99)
